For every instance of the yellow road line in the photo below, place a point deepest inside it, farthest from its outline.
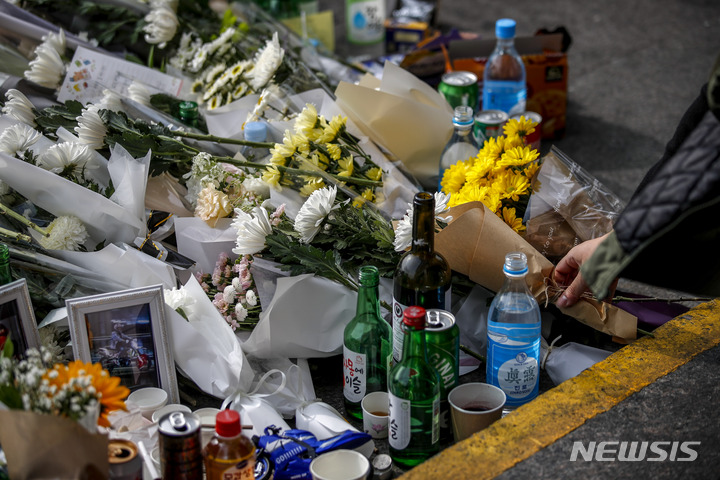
(561, 410)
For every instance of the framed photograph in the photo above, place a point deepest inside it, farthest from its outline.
(126, 333)
(17, 319)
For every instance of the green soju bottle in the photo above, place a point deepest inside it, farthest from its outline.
(422, 276)
(5, 276)
(414, 428)
(367, 345)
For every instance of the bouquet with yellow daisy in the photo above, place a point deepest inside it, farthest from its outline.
(500, 175)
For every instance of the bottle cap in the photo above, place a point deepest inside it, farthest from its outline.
(227, 423)
(369, 276)
(505, 28)
(414, 317)
(463, 115)
(515, 264)
(255, 131)
(188, 109)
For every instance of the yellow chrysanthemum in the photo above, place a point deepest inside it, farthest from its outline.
(332, 130)
(518, 156)
(454, 177)
(272, 176)
(287, 148)
(111, 394)
(301, 143)
(492, 200)
(311, 184)
(492, 148)
(513, 185)
(509, 217)
(308, 122)
(346, 167)
(334, 150)
(479, 171)
(531, 169)
(375, 173)
(522, 127)
(368, 195)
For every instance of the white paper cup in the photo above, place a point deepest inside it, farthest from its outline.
(172, 407)
(148, 400)
(340, 465)
(474, 406)
(207, 420)
(376, 408)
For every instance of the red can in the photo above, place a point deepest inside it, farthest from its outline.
(534, 138)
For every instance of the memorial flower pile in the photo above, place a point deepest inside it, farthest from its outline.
(500, 175)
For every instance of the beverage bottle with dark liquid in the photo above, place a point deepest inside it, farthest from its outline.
(229, 454)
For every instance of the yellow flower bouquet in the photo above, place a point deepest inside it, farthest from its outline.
(500, 175)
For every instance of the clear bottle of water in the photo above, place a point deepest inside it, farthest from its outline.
(513, 335)
(504, 86)
(462, 145)
(255, 132)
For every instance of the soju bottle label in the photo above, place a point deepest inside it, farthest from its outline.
(354, 369)
(400, 422)
(513, 360)
(397, 332)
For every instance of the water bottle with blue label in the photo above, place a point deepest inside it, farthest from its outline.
(504, 86)
(513, 334)
(365, 21)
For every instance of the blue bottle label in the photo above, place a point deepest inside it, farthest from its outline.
(513, 355)
(504, 95)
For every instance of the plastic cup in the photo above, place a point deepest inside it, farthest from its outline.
(207, 421)
(148, 400)
(473, 407)
(172, 407)
(376, 410)
(340, 465)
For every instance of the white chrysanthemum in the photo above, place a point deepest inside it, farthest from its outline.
(178, 298)
(91, 129)
(19, 107)
(162, 23)
(229, 295)
(16, 139)
(66, 233)
(56, 41)
(311, 215)
(251, 298)
(267, 61)
(47, 68)
(68, 157)
(251, 231)
(139, 93)
(403, 232)
(110, 101)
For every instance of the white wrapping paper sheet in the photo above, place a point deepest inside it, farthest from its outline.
(305, 319)
(205, 348)
(202, 243)
(569, 360)
(404, 115)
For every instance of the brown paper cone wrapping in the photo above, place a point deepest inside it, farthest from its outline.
(475, 244)
(41, 446)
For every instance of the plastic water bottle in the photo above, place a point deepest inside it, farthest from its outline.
(255, 132)
(504, 86)
(462, 144)
(513, 335)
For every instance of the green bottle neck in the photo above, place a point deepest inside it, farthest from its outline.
(368, 303)
(414, 344)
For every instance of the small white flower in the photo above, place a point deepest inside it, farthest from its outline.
(441, 202)
(313, 212)
(139, 93)
(16, 139)
(403, 232)
(162, 23)
(251, 298)
(251, 231)
(19, 107)
(256, 186)
(66, 233)
(267, 61)
(110, 101)
(178, 298)
(47, 68)
(229, 295)
(240, 312)
(91, 129)
(65, 156)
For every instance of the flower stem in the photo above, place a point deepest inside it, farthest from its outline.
(16, 235)
(657, 299)
(11, 213)
(216, 139)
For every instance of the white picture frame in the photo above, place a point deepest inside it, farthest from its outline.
(17, 318)
(126, 332)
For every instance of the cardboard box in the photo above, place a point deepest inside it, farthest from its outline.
(402, 37)
(546, 68)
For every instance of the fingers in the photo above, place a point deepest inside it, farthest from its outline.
(572, 293)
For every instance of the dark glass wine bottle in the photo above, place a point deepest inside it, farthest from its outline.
(422, 276)
(367, 345)
(414, 392)
(5, 275)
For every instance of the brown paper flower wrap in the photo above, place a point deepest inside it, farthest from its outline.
(475, 244)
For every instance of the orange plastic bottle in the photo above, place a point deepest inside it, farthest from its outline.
(229, 455)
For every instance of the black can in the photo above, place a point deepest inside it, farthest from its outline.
(180, 446)
(124, 460)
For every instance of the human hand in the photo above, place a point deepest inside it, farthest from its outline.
(567, 272)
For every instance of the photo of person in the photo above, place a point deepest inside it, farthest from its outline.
(10, 329)
(121, 340)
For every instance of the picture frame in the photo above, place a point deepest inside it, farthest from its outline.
(126, 332)
(17, 318)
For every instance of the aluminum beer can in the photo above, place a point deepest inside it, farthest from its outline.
(442, 336)
(124, 460)
(180, 446)
(460, 89)
(533, 140)
(489, 124)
